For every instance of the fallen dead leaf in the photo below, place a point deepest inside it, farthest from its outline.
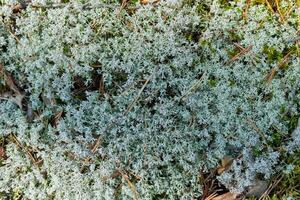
(226, 196)
(257, 189)
(2, 153)
(56, 119)
(18, 95)
(144, 2)
(225, 164)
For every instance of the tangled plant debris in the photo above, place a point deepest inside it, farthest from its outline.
(135, 101)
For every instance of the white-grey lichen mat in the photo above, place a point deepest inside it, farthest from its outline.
(134, 101)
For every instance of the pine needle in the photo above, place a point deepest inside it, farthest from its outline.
(139, 94)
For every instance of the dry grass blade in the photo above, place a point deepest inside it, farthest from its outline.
(205, 186)
(98, 141)
(56, 119)
(123, 5)
(298, 5)
(253, 56)
(284, 60)
(11, 33)
(62, 5)
(289, 11)
(9, 80)
(153, 2)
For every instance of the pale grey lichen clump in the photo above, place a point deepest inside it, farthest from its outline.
(174, 102)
